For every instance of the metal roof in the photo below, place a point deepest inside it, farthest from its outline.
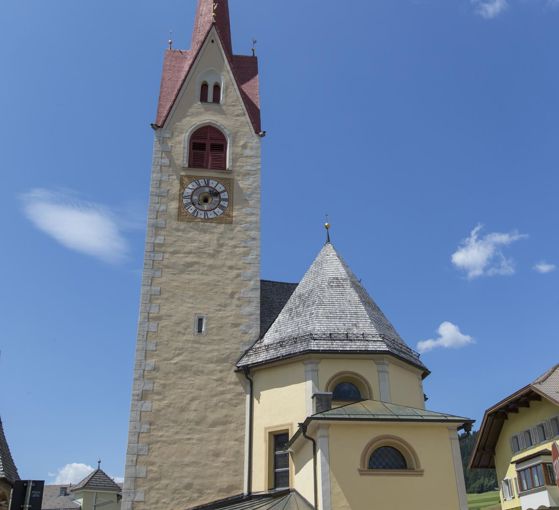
(8, 468)
(329, 311)
(374, 410)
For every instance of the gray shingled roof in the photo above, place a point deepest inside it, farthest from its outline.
(329, 311)
(52, 500)
(97, 481)
(8, 468)
(279, 500)
(548, 384)
(273, 297)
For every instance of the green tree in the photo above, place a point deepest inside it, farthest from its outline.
(477, 480)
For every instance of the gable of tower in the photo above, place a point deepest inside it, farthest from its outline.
(178, 66)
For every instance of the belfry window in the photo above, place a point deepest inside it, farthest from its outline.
(208, 149)
(204, 91)
(387, 457)
(347, 391)
(216, 97)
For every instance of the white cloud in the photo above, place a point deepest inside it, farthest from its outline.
(544, 267)
(490, 9)
(81, 226)
(72, 473)
(450, 337)
(482, 256)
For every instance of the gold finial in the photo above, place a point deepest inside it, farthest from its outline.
(214, 13)
(327, 227)
(170, 39)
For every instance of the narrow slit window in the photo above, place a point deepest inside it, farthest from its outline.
(200, 325)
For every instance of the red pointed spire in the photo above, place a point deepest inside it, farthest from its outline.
(212, 12)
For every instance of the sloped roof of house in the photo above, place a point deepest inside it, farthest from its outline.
(53, 500)
(98, 480)
(545, 386)
(8, 469)
(276, 500)
(329, 311)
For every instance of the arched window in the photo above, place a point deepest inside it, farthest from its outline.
(387, 457)
(204, 90)
(217, 93)
(346, 391)
(349, 387)
(389, 453)
(208, 149)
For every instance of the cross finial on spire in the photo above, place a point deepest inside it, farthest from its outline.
(170, 39)
(327, 227)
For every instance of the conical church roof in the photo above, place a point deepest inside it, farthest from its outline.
(330, 311)
(8, 468)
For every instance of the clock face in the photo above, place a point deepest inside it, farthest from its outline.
(205, 199)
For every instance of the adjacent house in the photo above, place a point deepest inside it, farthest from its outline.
(516, 438)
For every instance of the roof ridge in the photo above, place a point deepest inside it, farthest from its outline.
(545, 376)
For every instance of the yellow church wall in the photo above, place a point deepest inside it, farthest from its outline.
(303, 470)
(279, 405)
(434, 489)
(406, 386)
(518, 422)
(188, 404)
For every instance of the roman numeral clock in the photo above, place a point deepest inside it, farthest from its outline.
(206, 199)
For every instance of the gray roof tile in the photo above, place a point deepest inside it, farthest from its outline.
(8, 468)
(53, 500)
(278, 500)
(329, 311)
(98, 480)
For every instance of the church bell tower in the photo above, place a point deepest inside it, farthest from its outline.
(200, 293)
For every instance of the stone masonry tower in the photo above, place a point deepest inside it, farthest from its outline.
(201, 280)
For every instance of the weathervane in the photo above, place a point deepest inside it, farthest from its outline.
(254, 41)
(327, 227)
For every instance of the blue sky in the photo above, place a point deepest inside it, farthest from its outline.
(426, 129)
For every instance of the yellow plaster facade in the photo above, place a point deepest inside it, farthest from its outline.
(93, 500)
(505, 460)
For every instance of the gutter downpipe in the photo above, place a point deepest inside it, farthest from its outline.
(246, 372)
(303, 427)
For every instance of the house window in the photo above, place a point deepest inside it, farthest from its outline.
(63, 491)
(217, 93)
(387, 457)
(536, 476)
(204, 91)
(346, 391)
(527, 439)
(280, 461)
(208, 149)
(507, 489)
(515, 444)
(542, 436)
(555, 426)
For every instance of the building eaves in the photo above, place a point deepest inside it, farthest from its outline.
(8, 469)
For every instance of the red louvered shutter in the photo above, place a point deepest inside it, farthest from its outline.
(204, 93)
(217, 93)
(208, 149)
